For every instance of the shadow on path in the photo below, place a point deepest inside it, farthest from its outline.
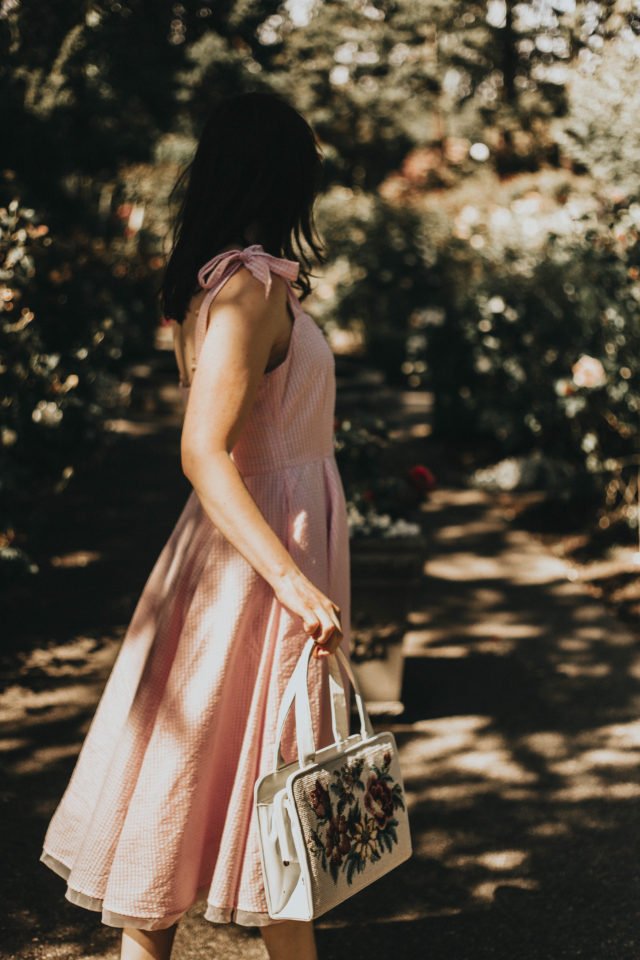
(519, 743)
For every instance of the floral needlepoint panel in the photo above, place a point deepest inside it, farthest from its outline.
(353, 820)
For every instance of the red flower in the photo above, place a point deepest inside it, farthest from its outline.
(422, 478)
(369, 495)
(379, 801)
(337, 842)
(320, 801)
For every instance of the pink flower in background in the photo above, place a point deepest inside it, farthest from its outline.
(588, 372)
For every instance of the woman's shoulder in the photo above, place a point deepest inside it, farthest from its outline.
(243, 286)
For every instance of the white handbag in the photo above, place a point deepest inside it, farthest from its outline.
(335, 820)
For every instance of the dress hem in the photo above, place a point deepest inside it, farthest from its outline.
(213, 913)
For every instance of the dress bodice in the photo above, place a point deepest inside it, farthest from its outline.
(291, 420)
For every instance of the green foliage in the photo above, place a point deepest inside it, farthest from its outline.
(502, 357)
(376, 79)
(87, 98)
(600, 133)
(418, 105)
(409, 98)
(376, 277)
(69, 309)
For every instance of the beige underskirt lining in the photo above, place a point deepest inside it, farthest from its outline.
(212, 913)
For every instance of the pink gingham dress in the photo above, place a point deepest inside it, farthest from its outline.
(158, 813)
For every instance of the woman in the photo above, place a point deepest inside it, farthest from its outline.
(159, 810)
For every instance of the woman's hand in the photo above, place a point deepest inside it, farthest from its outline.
(320, 615)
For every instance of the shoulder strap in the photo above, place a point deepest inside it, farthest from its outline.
(217, 271)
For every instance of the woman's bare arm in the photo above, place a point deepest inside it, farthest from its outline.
(236, 348)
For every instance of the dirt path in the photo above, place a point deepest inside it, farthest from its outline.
(519, 741)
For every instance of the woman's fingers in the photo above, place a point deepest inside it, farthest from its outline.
(330, 624)
(320, 616)
(329, 639)
(311, 626)
(323, 618)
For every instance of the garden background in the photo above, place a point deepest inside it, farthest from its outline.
(480, 211)
(481, 216)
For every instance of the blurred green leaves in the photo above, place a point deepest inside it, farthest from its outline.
(480, 206)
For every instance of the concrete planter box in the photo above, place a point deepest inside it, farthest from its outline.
(384, 576)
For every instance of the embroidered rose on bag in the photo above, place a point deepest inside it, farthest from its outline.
(320, 801)
(355, 820)
(337, 842)
(379, 801)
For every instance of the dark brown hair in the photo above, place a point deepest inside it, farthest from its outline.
(258, 166)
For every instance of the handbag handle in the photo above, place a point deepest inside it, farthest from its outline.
(297, 692)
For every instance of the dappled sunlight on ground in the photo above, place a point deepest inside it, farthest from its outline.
(519, 745)
(520, 748)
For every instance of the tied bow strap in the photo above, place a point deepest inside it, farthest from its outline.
(260, 263)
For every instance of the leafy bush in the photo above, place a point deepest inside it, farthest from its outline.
(374, 280)
(69, 310)
(534, 343)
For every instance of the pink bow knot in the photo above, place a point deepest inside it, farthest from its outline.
(260, 263)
